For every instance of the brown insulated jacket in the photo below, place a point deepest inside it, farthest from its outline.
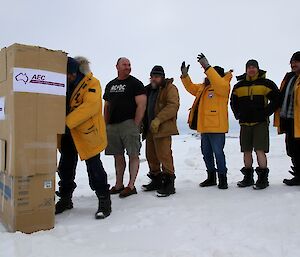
(166, 109)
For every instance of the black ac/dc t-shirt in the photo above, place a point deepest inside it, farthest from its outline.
(121, 97)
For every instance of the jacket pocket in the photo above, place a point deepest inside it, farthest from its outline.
(89, 138)
(211, 119)
(86, 127)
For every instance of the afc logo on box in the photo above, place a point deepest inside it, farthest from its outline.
(23, 77)
(39, 81)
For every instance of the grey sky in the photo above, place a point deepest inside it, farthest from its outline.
(161, 32)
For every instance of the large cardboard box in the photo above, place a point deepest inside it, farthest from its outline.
(32, 96)
(32, 113)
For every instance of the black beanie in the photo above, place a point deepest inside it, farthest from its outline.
(252, 63)
(220, 71)
(72, 66)
(296, 57)
(158, 70)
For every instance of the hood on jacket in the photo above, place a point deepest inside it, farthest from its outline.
(289, 75)
(167, 82)
(84, 64)
(261, 74)
(220, 71)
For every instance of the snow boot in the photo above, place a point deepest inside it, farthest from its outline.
(104, 207)
(262, 180)
(63, 204)
(167, 185)
(211, 179)
(293, 171)
(154, 184)
(222, 181)
(295, 181)
(58, 193)
(248, 179)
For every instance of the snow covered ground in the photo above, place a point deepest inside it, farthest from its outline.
(194, 222)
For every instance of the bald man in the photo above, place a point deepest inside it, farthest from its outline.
(125, 105)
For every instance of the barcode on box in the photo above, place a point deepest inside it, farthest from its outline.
(48, 184)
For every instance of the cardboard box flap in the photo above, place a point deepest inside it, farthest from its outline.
(34, 57)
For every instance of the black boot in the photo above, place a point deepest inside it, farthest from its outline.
(248, 177)
(262, 180)
(293, 171)
(155, 182)
(63, 204)
(167, 186)
(104, 207)
(211, 179)
(222, 181)
(295, 181)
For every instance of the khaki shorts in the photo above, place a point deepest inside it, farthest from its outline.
(255, 137)
(123, 136)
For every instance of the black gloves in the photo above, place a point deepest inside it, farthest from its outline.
(184, 69)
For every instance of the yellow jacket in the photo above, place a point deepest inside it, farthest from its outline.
(211, 101)
(278, 122)
(85, 120)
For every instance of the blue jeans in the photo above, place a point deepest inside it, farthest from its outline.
(212, 147)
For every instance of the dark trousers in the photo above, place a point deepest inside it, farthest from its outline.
(212, 147)
(292, 145)
(67, 170)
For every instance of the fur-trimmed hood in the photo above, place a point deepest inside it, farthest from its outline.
(84, 64)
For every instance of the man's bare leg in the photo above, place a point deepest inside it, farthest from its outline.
(262, 159)
(134, 164)
(120, 166)
(248, 160)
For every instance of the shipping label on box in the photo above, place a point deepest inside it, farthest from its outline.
(47, 184)
(39, 81)
(2, 108)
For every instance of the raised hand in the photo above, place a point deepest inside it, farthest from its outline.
(203, 61)
(184, 69)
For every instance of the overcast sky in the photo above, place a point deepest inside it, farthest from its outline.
(164, 32)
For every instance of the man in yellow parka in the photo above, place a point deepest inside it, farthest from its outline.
(209, 116)
(85, 135)
(287, 118)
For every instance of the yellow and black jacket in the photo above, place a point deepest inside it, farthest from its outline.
(254, 100)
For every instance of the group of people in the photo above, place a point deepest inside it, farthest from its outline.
(132, 111)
